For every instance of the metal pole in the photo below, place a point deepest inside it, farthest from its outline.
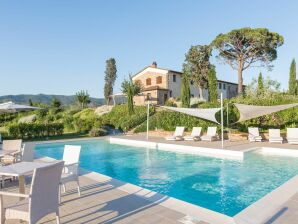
(228, 115)
(148, 119)
(222, 125)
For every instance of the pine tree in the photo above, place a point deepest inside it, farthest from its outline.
(185, 88)
(110, 77)
(292, 79)
(212, 85)
(260, 89)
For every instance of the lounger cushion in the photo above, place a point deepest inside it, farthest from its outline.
(275, 139)
(173, 138)
(191, 138)
(292, 140)
(255, 138)
(208, 138)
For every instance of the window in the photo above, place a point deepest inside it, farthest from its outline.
(174, 78)
(224, 86)
(219, 85)
(191, 82)
(170, 93)
(158, 80)
(148, 82)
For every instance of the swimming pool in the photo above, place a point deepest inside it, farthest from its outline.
(225, 186)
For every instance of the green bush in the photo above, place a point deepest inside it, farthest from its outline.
(168, 121)
(96, 132)
(119, 117)
(35, 130)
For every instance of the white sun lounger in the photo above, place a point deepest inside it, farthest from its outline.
(254, 135)
(211, 134)
(195, 134)
(177, 136)
(292, 135)
(274, 136)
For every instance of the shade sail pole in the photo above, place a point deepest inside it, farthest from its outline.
(222, 120)
(148, 119)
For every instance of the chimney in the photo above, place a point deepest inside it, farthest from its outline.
(154, 64)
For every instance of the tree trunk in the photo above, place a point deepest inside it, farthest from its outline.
(201, 92)
(240, 78)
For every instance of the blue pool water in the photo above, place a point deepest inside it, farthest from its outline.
(225, 186)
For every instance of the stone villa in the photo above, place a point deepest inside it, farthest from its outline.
(161, 84)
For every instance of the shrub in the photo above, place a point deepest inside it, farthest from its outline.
(96, 132)
(29, 130)
(119, 117)
(168, 121)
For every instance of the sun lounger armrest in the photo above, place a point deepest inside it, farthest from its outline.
(14, 194)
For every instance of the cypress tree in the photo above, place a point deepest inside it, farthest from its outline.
(185, 88)
(110, 77)
(292, 79)
(260, 89)
(212, 85)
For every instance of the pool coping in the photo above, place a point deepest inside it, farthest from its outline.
(259, 212)
(194, 150)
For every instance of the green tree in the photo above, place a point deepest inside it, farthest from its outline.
(30, 102)
(241, 48)
(292, 79)
(82, 98)
(212, 85)
(185, 88)
(197, 60)
(260, 89)
(56, 103)
(130, 89)
(110, 78)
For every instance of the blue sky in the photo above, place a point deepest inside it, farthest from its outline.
(60, 46)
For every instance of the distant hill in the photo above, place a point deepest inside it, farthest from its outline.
(46, 99)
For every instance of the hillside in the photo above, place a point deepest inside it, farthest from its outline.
(46, 99)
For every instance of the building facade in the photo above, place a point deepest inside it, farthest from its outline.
(160, 84)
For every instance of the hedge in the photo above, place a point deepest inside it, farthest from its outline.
(168, 121)
(29, 130)
(119, 117)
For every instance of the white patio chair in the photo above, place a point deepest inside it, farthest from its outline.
(254, 135)
(195, 134)
(292, 135)
(42, 199)
(28, 152)
(274, 136)
(26, 155)
(12, 145)
(178, 134)
(71, 157)
(211, 134)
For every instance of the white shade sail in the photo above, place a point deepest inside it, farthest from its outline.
(207, 114)
(248, 112)
(10, 107)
